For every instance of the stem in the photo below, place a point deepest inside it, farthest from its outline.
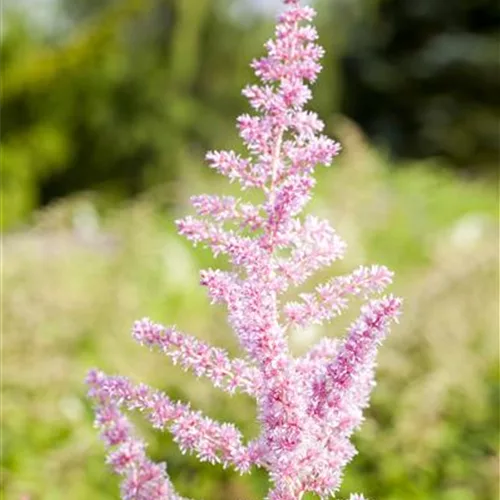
(274, 166)
(276, 155)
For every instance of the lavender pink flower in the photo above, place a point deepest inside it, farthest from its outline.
(308, 407)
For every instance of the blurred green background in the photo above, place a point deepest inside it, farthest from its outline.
(107, 109)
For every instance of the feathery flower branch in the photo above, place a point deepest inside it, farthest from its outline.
(307, 407)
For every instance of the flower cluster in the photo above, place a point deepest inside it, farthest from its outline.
(308, 407)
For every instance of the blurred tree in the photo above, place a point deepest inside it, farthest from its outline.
(118, 99)
(54, 89)
(423, 77)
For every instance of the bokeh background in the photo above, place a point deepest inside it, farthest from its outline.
(107, 109)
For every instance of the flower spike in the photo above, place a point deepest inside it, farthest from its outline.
(308, 407)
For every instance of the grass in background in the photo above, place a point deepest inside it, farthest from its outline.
(76, 280)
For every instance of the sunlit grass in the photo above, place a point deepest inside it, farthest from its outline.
(76, 280)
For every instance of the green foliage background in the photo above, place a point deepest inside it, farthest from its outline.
(106, 114)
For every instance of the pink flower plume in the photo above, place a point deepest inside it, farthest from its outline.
(307, 407)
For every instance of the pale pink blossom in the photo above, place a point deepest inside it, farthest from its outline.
(307, 407)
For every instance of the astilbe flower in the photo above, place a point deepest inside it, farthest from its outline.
(308, 407)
